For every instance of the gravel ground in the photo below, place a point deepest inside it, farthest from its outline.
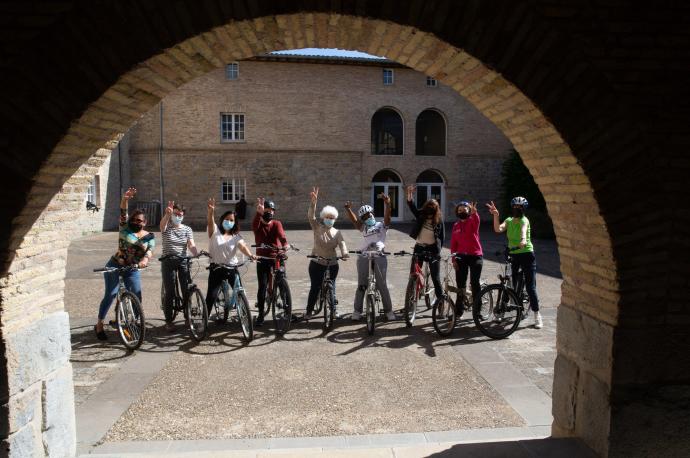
(399, 380)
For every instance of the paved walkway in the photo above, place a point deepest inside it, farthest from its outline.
(346, 383)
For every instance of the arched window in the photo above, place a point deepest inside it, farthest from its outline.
(430, 185)
(386, 132)
(387, 182)
(430, 134)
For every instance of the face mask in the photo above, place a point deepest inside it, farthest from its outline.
(370, 221)
(430, 211)
(228, 225)
(328, 222)
(134, 227)
(462, 215)
(267, 216)
(517, 212)
(177, 220)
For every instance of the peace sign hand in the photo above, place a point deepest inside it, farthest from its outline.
(211, 203)
(131, 192)
(314, 194)
(386, 198)
(410, 191)
(260, 205)
(492, 208)
(348, 205)
(169, 208)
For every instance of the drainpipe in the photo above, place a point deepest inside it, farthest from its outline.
(160, 161)
(119, 168)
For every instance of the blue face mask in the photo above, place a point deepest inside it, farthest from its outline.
(370, 221)
(228, 225)
(177, 220)
(328, 222)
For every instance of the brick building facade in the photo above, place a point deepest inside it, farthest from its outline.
(353, 127)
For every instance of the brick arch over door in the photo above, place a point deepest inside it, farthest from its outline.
(557, 101)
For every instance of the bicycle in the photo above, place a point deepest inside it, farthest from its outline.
(129, 315)
(419, 285)
(372, 295)
(233, 298)
(445, 312)
(278, 296)
(327, 300)
(502, 319)
(191, 301)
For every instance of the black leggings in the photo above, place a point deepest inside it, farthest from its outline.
(215, 280)
(429, 251)
(316, 272)
(526, 264)
(474, 264)
(263, 270)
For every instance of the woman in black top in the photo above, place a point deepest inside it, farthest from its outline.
(428, 233)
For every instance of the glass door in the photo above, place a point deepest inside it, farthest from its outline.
(394, 191)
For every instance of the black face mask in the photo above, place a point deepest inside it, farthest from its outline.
(267, 216)
(430, 212)
(135, 227)
(517, 212)
(462, 215)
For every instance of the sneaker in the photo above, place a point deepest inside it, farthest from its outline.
(538, 323)
(391, 316)
(169, 326)
(259, 321)
(337, 315)
(356, 316)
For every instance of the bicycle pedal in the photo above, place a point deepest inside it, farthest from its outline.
(127, 333)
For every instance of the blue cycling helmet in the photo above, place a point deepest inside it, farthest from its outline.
(463, 203)
(519, 201)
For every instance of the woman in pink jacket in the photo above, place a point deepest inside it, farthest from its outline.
(465, 245)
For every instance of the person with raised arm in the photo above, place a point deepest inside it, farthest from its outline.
(523, 260)
(374, 239)
(467, 250)
(177, 238)
(326, 239)
(224, 242)
(269, 231)
(135, 248)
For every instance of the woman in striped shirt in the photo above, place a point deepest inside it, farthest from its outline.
(177, 238)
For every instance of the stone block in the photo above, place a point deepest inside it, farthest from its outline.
(593, 414)
(21, 409)
(59, 427)
(24, 443)
(36, 350)
(586, 340)
(564, 407)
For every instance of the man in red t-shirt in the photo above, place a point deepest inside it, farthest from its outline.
(269, 231)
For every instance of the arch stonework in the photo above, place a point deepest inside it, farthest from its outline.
(593, 369)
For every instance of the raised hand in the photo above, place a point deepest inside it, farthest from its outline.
(492, 208)
(386, 198)
(260, 205)
(131, 192)
(473, 207)
(348, 205)
(314, 194)
(211, 204)
(410, 191)
(169, 208)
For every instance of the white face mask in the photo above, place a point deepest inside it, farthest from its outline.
(177, 220)
(329, 222)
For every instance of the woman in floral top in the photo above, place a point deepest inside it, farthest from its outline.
(135, 247)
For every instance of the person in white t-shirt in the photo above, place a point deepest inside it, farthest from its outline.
(374, 234)
(224, 243)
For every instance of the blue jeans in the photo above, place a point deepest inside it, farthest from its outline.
(132, 282)
(526, 264)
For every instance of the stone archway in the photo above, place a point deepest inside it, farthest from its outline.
(551, 139)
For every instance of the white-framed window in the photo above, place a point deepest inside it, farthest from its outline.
(232, 71)
(92, 191)
(431, 82)
(387, 76)
(231, 189)
(231, 127)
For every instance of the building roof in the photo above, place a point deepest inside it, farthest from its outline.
(316, 59)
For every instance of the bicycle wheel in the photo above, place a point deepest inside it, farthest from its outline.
(498, 312)
(129, 318)
(370, 313)
(411, 300)
(197, 313)
(282, 307)
(328, 307)
(220, 311)
(245, 316)
(444, 316)
(319, 304)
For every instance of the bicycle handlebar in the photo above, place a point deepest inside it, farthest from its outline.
(337, 258)
(220, 265)
(172, 256)
(368, 253)
(268, 246)
(131, 268)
